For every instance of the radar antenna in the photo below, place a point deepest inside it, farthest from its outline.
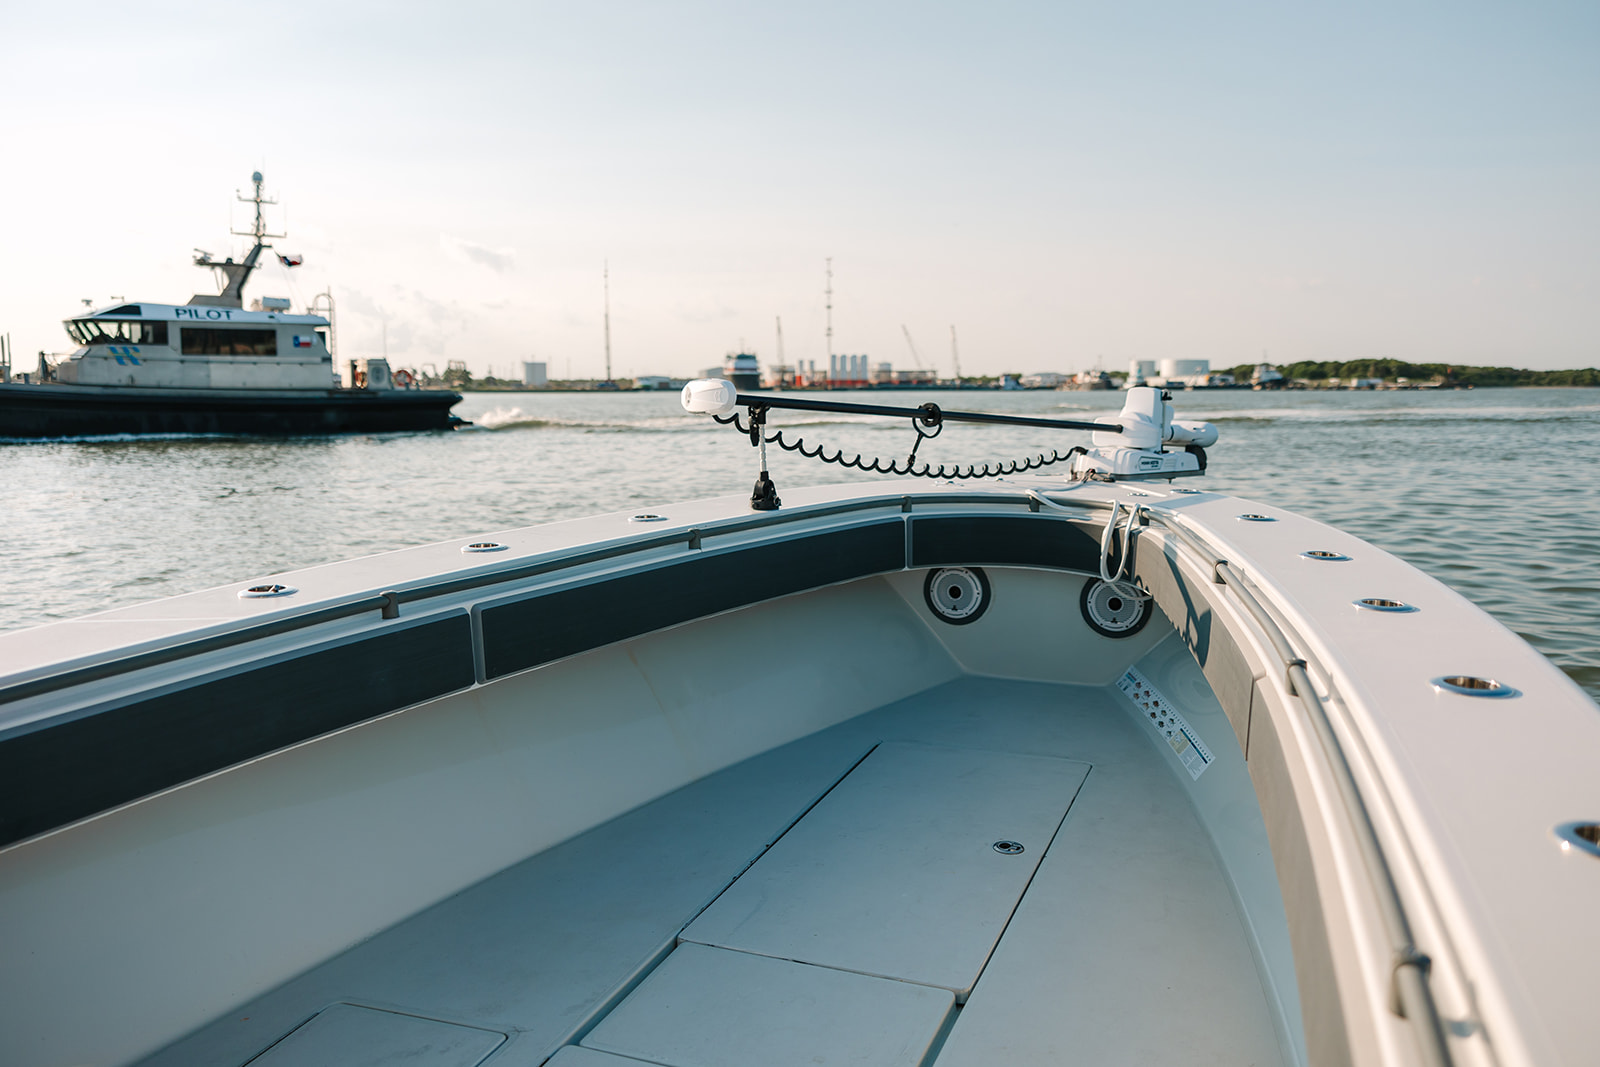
(236, 274)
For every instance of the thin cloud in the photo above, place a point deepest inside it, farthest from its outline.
(498, 260)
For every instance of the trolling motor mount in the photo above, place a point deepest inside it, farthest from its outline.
(1133, 448)
(764, 497)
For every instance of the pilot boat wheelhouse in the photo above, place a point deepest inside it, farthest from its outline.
(187, 347)
(213, 366)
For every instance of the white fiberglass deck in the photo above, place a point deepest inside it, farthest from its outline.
(1127, 945)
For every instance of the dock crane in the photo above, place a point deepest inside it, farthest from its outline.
(915, 355)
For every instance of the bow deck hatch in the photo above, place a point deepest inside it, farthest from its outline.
(705, 1007)
(908, 869)
(355, 1036)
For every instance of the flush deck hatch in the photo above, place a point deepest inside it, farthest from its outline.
(896, 873)
(705, 1007)
(349, 1035)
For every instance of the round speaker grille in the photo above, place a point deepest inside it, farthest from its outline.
(958, 595)
(1111, 614)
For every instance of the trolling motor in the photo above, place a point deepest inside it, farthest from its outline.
(1129, 445)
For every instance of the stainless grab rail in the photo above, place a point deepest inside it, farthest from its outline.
(1412, 995)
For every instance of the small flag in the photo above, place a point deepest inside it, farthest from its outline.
(302, 342)
(292, 261)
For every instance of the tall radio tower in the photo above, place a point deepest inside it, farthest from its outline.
(827, 294)
(605, 275)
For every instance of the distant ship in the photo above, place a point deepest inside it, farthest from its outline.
(1267, 376)
(742, 370)
(212, 366)
(1088, 381)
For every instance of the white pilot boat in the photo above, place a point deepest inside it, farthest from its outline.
(213, 366)
(1044, 769)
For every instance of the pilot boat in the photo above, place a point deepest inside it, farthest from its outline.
(1033, 768)
(214, 366)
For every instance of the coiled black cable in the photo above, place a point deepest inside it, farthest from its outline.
(880, 465)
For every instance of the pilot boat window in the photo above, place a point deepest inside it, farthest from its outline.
(224, 341)
(117, 332)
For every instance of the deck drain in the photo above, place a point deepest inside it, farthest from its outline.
(484, 546)
(1584, 836)
(1008, 848)
(1256, 518)
(647, 517)
(257, 592)
(1324, 555)
(1377, 603)
(1467, 685)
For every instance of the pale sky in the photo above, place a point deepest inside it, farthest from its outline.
(1065, 183)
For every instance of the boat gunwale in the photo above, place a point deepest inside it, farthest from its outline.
(1412, 993)
(547, 563)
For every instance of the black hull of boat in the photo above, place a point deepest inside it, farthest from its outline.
(91, 411)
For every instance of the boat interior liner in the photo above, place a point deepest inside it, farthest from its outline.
(718, 788)
(569, 947)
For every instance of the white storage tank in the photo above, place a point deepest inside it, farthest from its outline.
(1185, 368)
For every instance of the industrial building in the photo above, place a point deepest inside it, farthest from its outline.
(1173, 373)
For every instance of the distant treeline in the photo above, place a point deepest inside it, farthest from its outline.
(1390, 369)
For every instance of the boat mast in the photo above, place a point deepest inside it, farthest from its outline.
(605, 275)
(237, 274)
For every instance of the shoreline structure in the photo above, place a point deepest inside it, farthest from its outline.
(1355, 374)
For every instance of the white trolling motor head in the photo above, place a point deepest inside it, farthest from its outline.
(1139, 450)
(709, 396)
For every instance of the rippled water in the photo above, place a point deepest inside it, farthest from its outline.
(1495, 491)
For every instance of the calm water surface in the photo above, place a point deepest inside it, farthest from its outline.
(1495, 491)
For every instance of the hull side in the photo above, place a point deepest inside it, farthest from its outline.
(80, 411)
